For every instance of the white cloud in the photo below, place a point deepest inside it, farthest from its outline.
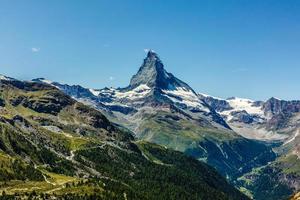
(35, 49)
(111, 78)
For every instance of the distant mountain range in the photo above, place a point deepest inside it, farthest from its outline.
(254, 144)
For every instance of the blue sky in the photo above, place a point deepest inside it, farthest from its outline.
(223, 48)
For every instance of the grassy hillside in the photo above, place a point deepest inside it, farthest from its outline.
(277, 180)
(223, 149)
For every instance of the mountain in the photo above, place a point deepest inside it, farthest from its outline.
(272, 120)
(275, 121)
(151, 86)
(255, 144)
(54, 147)
(153, 74)
(159, 108)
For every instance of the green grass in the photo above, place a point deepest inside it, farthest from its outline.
(59, 179)
(148, 154)
(55, 182)
(290, 164)
(17, 186)
(179, 135)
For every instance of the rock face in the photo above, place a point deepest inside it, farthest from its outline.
(153, 74)
(242, 116)
(275, 106)
(280, 112)
(94, 118)
(217, 104)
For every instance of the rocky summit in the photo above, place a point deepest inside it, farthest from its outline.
(153, 74)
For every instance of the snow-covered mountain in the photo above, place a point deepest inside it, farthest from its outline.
(6, 78)
(152, 86)
(160, 108)
(237, 109)
(272, 120)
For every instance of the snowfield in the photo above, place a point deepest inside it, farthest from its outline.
(187, 97)
(94, 92)
(5, 78)
(138, 92)
(240, 104)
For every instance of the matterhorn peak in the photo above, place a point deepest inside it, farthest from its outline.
(153, 74)
(151, 54)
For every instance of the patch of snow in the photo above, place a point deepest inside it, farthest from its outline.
(107, 91)
(94, 92)
(221, 150)
(202, 148)
(185, 96)
(5, 78)
(138, 92)
(47, 81)
(115, 104)
(206, 95)
(166, 74)
(240, 104)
